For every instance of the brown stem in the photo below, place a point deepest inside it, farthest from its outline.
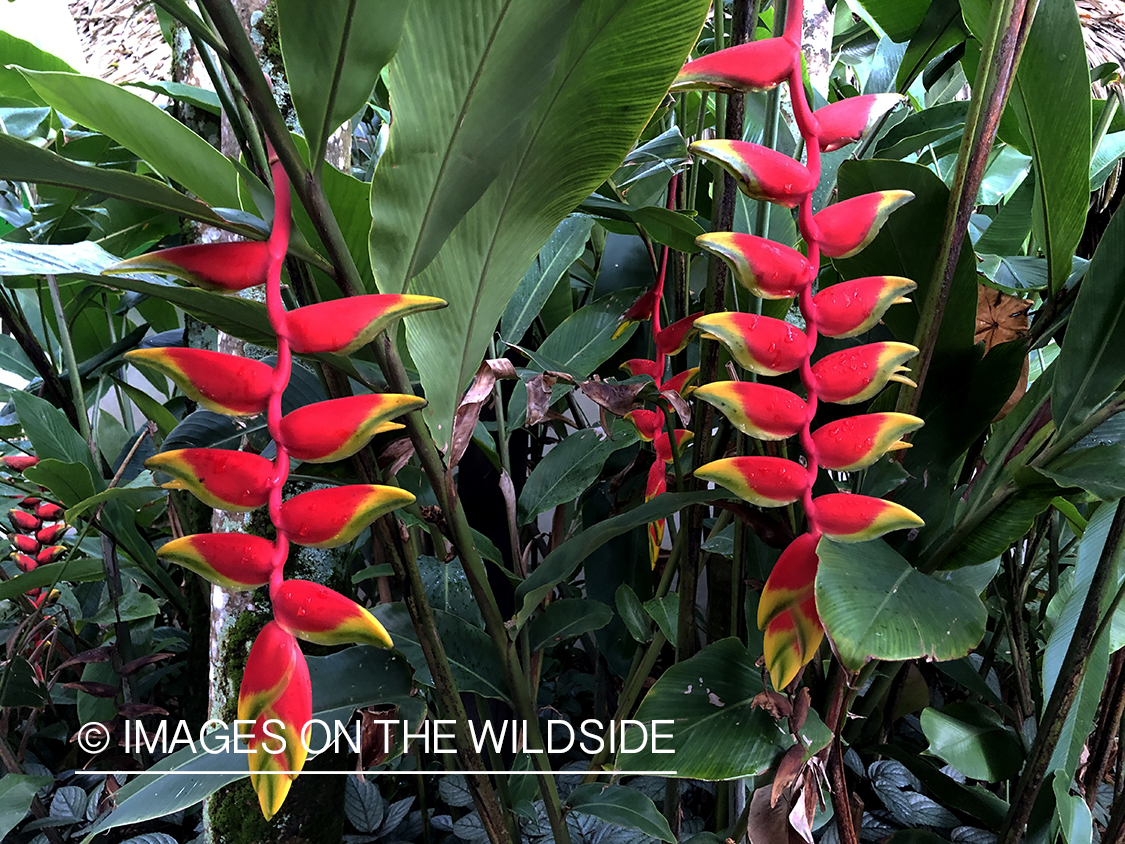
(1101, 742)
(52, 383)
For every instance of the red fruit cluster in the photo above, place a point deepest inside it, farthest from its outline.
(275, 684)
(37, 529)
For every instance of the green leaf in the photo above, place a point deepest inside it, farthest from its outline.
(563, 248)
(448, 588)
(16, 791)
(333, 52)
(350, 679)
(472, 659)
(153, 135)
(199, 98)
(76, 571)
(1075, 821)
(578, 130)
(919, 130)
(893, 611)
(1011, 227)
(50, 433)
(20, 686)
(70, 482)
(14, 360)
(565, 560)
(22, 162)
(974, 740)
(153, 410)
(133, 606)
(663, 225)
(665, 612)
(899, 19)
(566, 619)
(716, 733)
(135, 496)
(1109, 152)
(18, 53)
(621, 806)
(939, 30)
(1091, 364)
(633, 613)
(57, 259)
(1005, 525)
(973, 800)
(1099, 470)
(568, 470)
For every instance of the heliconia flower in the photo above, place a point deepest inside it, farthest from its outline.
(654, 486)
(333, 430)
(291, 712)
(681, 381)
(269, 667)
(858, 518)
(49, 554)
(856, 374)
(673, 339)
(854, 307)
(49, 512)
(758, 410)
(317, 614)
(790, 640)
(25, 562)
(663, 445)
(28, 502)
(24, 543)
(220, 478)
(640, 366)
(764, 481)
(854, 443)
(228, 384)
(847, 227)
(224, 267)
(761, 344)
(24, 521)
(19, 462)
(639, 311)
(229, 560)
(767, 269)
(787, 611)
(344, 325)
(649, 423)
(327, 518)
(846, 121)
(51, 534)
(760, 172)
(755, 66)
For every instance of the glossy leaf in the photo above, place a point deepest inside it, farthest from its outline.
(854, 307)
(974, 740)
(333, 430)
(621, 806)
(846, 227)
(756, 66)
(142, 128)
(344, 325)
(220, 478)
(764, 481)
(567, 470)
(223, 267)
(580, 128)
(333, 52)
(875, 605)
(859, 518)
(856, 442)
(229, 560)
(857, 374)
(322, 616)
(760, 172)
(758, 410)
(768, 270)
(227, 384)
(326, 518)
(566, 619)
(848, 120)
(761, 344)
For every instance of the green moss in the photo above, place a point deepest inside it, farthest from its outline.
(268, 30)
(238, 636)
(234, 816)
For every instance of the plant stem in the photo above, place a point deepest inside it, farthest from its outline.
(70, 361)
(1071, 673)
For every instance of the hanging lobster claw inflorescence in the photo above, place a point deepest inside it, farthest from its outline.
(276, 693)
(769, 347)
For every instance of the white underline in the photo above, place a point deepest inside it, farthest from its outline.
(381, 773)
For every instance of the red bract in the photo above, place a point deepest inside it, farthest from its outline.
(28, 502)
(25, 562)
(223, 479)
(848, 226)
(51, 534)
(851, 308)
(787, 610)
(858, 518)
(50, 554)
(49, 512)
(857, 374)
(760, 172)
(851, 444)
(317, 614)
(26, 544)
(758, 410)
(673, 339)
(24, 521)
(648, 423)
(761, 344)
(269, 667)
(846, 121)
(276, 760)
(225, 267)
(337, 429)
(681, 381)
(326, 518)
(226, 384)
(757, 66)
(764, 481)
(768, 270)
(230, 560)
(19, 462)
(344, 325)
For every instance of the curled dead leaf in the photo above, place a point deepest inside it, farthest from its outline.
(618, 399)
